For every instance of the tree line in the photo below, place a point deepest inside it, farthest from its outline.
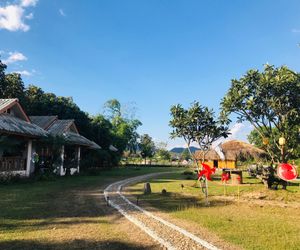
(114, 127)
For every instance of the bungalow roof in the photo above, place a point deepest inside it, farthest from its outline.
(65, 128)
(12, 125)
(43, 121)
(78, 139)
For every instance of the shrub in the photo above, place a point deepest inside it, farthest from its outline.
(187, 172)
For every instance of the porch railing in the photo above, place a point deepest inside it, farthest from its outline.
(12, 164)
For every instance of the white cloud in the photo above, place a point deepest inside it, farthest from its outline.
(61, 12)
(12, 16)
(295, 30)
(236, 129)
(29, 16)
(28, 3)
(15, 57)
(24, 73)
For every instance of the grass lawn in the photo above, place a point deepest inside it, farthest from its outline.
(66, 213)
(255, 219)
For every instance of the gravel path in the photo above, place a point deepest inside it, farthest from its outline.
(166, 233)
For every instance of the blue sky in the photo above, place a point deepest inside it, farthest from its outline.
(153, 53)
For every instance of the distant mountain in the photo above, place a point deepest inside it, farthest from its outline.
(180, 150)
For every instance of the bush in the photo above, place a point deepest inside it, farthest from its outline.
(188, 172)
(6, 178)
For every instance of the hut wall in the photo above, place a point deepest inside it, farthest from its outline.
(222, 164)
(227, 164)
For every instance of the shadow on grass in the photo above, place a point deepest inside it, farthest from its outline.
(178, 202)
(50, 223)
(75, 244)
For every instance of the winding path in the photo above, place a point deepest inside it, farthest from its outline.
(166, 233)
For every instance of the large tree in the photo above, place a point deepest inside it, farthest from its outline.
(147, 147)
(2, 76)
(124, 126)
(270, 101)
(197, 124)
(161, 152)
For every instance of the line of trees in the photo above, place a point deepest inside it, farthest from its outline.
(114, 127)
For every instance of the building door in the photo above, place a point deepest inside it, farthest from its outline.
(216, 163)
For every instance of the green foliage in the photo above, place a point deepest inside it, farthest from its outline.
(270, 101)
(146, 146)
(197, 124)
(163, 154)
(102, 129)
(117, 129)
(124, 129)
(40, 103)
(185, 155)
(12, 86)
(8, 178)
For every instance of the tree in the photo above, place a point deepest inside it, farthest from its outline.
(185, 155)
(102, 130)
(270, 101)
(113, 110)
(147, 147)
(12, 86)
(161, 152)
(40, 103)
(124, 128)
(2, 76)
(197, 124)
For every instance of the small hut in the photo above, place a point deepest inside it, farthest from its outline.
(227, 154)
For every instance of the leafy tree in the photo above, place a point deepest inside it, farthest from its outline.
(185, 155)
(270, 101)
(147, 147)
(102, 130)
(2, 76)
(12, 86)
(124, 129)
(161, 152)
(113, 110)
(197, 124)
(40, 103)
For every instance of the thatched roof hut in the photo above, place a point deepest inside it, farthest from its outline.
(231, 150)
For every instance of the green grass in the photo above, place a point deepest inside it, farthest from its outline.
(251, 225)
(66, 213)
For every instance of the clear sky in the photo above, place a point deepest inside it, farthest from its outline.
(154, 53)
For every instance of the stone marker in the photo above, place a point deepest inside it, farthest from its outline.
(147, 188)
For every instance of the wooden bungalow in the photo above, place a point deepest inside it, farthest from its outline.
(228, 154)
(17, 139)
(70, 149)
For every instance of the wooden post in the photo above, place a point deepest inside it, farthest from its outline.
(78, 159)
(62, 157)
(29, 152)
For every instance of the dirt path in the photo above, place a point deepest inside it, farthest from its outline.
(167, 234)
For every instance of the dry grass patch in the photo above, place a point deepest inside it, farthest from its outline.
(69, 213)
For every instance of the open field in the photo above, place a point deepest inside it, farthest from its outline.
(255, 219)
(67, 213)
